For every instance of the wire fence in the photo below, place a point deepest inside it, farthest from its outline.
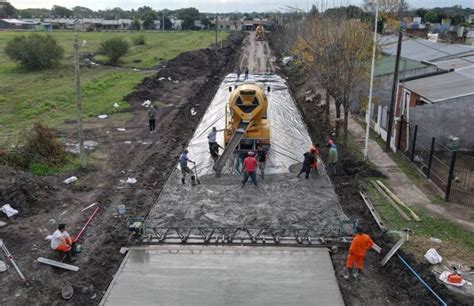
(441, 162)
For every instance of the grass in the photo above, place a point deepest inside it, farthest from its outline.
(49, 95)
(458, 243)
(72, 163)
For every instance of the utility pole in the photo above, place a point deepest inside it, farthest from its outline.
(78, 102)
(394, 91)
(217, 18)
(163, 18)
(369, 110)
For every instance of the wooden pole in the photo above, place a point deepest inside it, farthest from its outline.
(82, 152)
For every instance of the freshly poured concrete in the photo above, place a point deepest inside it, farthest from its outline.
(187, 275)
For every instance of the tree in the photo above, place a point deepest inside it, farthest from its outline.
(205, 22)
(457, 20)
(82, 12)
(191, 13)
(135, 26)
(168, 24)
(148, 16)
(61, 11)
(7, 10)
(115, 13)
(430, 17)
(35, 52)
(31, 13)
(114, 48)
(389, 8)
(421, 12)
(314, 10)
(188, 23)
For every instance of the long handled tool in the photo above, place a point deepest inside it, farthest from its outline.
(10, 257)
(196, 174)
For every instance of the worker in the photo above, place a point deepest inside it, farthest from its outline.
(61, 241)
(360, 244)
(183, 163)
(246, 73)
(307, 162)
(151, 118)
(332, 159)
(212, 137)
(262, 159)
(249, 168)
(238, 73)
(215, 150)
(315, 152)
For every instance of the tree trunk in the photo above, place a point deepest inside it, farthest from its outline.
(338, 117)
(328, 102)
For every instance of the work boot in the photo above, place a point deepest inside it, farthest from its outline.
(183, 181)
(355, 272)
(347, 273)
(193, 181)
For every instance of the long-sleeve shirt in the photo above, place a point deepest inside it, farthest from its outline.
(212, 136)
(360, 244)
(333, 156)
(152, 113)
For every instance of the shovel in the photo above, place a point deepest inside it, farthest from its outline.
(196, 175)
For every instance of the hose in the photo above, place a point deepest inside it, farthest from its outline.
(440, 300)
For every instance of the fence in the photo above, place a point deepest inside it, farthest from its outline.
(451, 170)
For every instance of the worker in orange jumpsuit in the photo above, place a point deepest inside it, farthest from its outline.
(314, 150)
(360, 244)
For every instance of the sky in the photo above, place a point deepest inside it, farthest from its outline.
(211, 6)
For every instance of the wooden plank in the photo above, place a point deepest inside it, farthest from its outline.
(391, 202)
(374, 212)
(57, 264)
(398, 201)
(392, 252)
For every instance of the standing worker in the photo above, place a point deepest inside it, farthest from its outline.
(61, 241)
(212, 138)
(249, 168)
(151, 118)
(360, 244)
(332, 159)
(315, 152)
(183, 163)
(308, 161)
(238, 73)
(246, 73)
(215, 151)
(262, 159)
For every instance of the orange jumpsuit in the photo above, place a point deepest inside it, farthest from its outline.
(315, 152)
(65, 247)
(360, 244)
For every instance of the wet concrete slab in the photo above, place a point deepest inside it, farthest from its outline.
(212, 275)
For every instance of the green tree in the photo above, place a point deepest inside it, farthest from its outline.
(148, 16)
(421, 12)
(135, 26)
(190, 13)
(35, 52)
(82, 12)
(114, 48)
(457, 20)
(430, 16)
(7, 10)
(61, 11)
(314, 10)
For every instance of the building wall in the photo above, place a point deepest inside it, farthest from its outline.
(451, 117)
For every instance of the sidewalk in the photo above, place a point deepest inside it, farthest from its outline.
(405, 189)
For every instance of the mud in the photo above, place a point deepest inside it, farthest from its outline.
(389, 285)
(45, 202)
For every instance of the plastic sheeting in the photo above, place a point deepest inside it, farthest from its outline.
(289, 136)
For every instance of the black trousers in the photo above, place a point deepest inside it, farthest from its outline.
(152, 124)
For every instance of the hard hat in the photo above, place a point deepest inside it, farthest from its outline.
(250, 153)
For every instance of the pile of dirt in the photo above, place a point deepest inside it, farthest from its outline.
(26, 193)
(388, 285)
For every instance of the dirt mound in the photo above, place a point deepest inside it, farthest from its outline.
(24, 192)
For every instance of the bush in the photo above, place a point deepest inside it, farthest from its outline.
(139, 40)
(35, 52)
(114, 48)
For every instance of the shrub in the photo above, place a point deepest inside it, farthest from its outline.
(35, 52)
(114, 48)
(139, 40)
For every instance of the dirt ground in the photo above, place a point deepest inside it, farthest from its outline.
(257, 56)
(189, 81)
(389, 285)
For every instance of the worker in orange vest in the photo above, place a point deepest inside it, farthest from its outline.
(314, 150)
(360, 244)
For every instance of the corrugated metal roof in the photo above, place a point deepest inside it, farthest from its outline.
(386, 65)
(427, 50)
(456, 63)
(445, 86)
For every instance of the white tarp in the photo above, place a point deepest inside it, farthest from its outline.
(289, 135)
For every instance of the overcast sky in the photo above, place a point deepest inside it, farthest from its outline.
(219, 5)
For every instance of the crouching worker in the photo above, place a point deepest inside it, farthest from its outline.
(360, 244)
(61, 241)
(183, 163)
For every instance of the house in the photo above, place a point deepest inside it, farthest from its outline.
(441, 105)
(383, 83)
(16, 24)
(119, 24)
(176, 24)
(227, 25)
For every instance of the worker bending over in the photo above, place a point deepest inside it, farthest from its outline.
(360, 244)
(308, 161)
(183, 163)
(249, 168)
(61, 241)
